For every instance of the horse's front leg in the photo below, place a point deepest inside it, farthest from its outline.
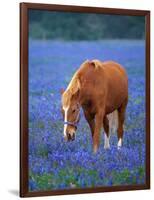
(91, 121)
(98, 125)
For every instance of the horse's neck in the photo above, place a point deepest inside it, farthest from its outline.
(82, 97)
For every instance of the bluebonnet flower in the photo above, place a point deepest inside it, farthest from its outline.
(61, 165)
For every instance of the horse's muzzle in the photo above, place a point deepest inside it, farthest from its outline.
(70, 137)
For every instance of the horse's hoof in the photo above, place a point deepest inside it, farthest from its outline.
(95, 149)
(106, 148)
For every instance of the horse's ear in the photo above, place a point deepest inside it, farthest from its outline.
(95, 63)
(62, 91)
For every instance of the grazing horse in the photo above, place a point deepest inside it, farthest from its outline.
(101, 89)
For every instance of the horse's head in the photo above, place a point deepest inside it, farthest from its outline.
(71, 112)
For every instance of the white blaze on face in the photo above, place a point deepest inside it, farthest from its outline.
(65, 119)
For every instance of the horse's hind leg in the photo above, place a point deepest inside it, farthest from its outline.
(107, 133)
(121, 119)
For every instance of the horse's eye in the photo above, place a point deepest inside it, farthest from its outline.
(73, 111)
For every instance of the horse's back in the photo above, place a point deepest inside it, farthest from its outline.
(112, 66)
(98, 67)
(115, 73)
(98, 73)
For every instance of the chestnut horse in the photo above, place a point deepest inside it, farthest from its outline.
(101, 89)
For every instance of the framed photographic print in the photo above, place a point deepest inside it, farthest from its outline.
(84, 99)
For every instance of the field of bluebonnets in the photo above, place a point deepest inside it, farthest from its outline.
(56, 164)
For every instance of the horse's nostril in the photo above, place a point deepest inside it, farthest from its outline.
(69, 136)
(73, 136)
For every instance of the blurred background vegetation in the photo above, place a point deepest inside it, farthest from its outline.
(84, 26)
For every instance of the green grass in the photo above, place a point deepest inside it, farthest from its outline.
(66, 176)
(127, 176)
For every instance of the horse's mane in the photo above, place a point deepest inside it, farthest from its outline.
(72, 88)
(74, 84)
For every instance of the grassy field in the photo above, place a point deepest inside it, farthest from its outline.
(55, 164)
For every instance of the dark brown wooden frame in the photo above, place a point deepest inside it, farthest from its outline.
(24, 96)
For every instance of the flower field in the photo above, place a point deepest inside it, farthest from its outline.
(56, 164)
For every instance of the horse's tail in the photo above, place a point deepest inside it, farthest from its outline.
(113, 121)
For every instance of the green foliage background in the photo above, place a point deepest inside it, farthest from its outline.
(84, 26)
